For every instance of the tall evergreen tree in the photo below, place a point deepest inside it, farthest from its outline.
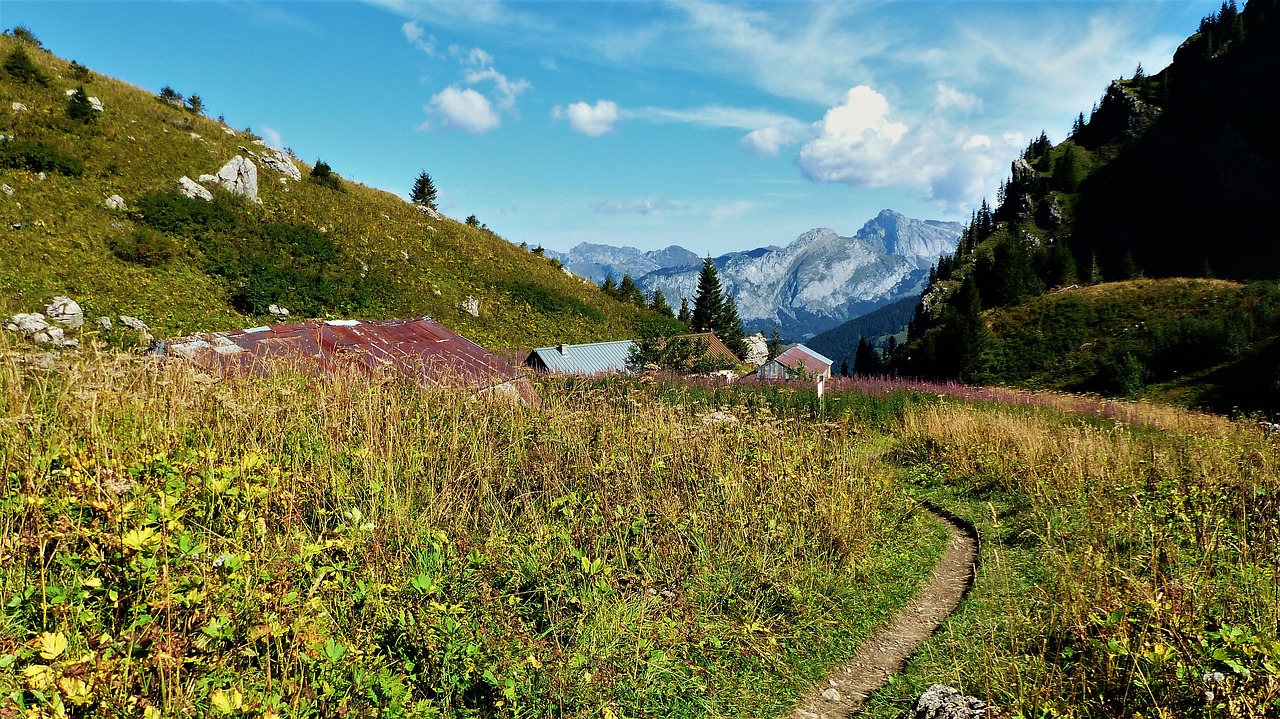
(424, 191)
(865, 359)
(728, 326)
(658, 303)
(775, 342)
(686, 315)
(709, 300)
(610, 286)
(79, 107)
(629, 292)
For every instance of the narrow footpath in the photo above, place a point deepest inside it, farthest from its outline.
(844, 691)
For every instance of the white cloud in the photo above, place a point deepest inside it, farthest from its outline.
(272, 137)
(465, 110)
(508, 90)
(948, 97)
(767, 141)
(859, 144)
(645, 206)
(731, 210)
(590, 120)
(417, 37)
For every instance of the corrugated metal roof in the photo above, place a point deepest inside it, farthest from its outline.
(421, 349)
(797, 354)
(586, 359)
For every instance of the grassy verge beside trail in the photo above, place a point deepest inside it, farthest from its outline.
(172, 545)
(1125, 571)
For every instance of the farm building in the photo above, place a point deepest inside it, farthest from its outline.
(795, 361)
(586, 359)
(422, 350)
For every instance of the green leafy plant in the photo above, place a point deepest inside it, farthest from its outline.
(20, 66)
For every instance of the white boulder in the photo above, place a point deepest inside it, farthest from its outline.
(278, 312)
(239, 177)
(280, 162)
(19, 107)
(65, 311)
(115, 202)
(35, 327)
(470, 306)
(188, 187)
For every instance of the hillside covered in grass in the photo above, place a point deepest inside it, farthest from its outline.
(321, 246)
(1166, 178)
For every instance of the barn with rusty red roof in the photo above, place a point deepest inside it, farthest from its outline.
(420, 349)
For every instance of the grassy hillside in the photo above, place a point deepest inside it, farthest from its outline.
(353, 251)
(1188, 341)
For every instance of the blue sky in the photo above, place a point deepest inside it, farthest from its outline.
(716, 126)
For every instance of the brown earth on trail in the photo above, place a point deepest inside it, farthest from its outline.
(845, 689)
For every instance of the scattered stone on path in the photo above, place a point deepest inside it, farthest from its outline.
(943, 702)
(831, 695)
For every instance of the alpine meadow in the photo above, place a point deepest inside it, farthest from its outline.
(280, 443)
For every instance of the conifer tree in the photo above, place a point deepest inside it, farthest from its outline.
(686, 315)
(728, 326)
(709, 300)
(79, 107)
(865, 359)
(424, 191)
(628, 292)
(609, 286)
(658, 303)
(844, 368)
(775, 342)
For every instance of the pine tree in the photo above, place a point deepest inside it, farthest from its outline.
(195, 104)
(844, 368)
(658, 303)
(609, 286)
(865, 359)
(1095, 271)
(628, 292)
(728, 326)
(685, 316)
(424, 191)
(775, 342)
(79, 107)
(708, 301)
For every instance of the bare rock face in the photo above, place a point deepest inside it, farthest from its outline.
(757, 349)
(240, 177)
(428, 212)
(943, 702)
(192, 189)
(65, 311)
(281, 163)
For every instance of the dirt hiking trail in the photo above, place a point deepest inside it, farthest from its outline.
(845, 689)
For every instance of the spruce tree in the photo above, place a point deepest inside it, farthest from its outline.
(609, 286)
(424, 191)
(775, 342)
(658, 303)
(707, 303)
(685, 315)
(728, 326)
(865, 359)
(628, 292)
(844, 368)
(79, 107)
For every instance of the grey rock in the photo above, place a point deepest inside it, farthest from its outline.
(19, 107)
(757, 349)
(115, 202)
(240, 177)
(943, 702)
(831, 695)
(278, 312)
(96, 104)
(134, 323)
(6, 189)
(428, 212)
(280, 162)
(190, 188)
(470, 306)
(65, 311)
(105, 323)
(1022, 173)
(35, 327)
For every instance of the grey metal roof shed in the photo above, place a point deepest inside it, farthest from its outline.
(586, 359)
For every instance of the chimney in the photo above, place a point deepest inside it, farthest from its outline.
(561, 347)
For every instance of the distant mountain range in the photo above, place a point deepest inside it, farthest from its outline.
(816, 282)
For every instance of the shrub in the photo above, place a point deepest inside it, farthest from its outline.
(24, 34)
(19, 65)
(39, 156)
(195, 104)
(324, 176)
(79, 108)
(144, 247)
(80, 72)
(171, 96)
(171, 211)
(549, 301)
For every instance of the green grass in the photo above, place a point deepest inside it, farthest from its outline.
(295, 547)
(390, 260)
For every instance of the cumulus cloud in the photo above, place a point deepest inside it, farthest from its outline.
(768, 141)
(859, 143)
(644, 206)
(590, 120)
(464, 109)
(417, 37)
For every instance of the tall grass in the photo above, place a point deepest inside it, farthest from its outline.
(1126, 571)
(295, 546)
